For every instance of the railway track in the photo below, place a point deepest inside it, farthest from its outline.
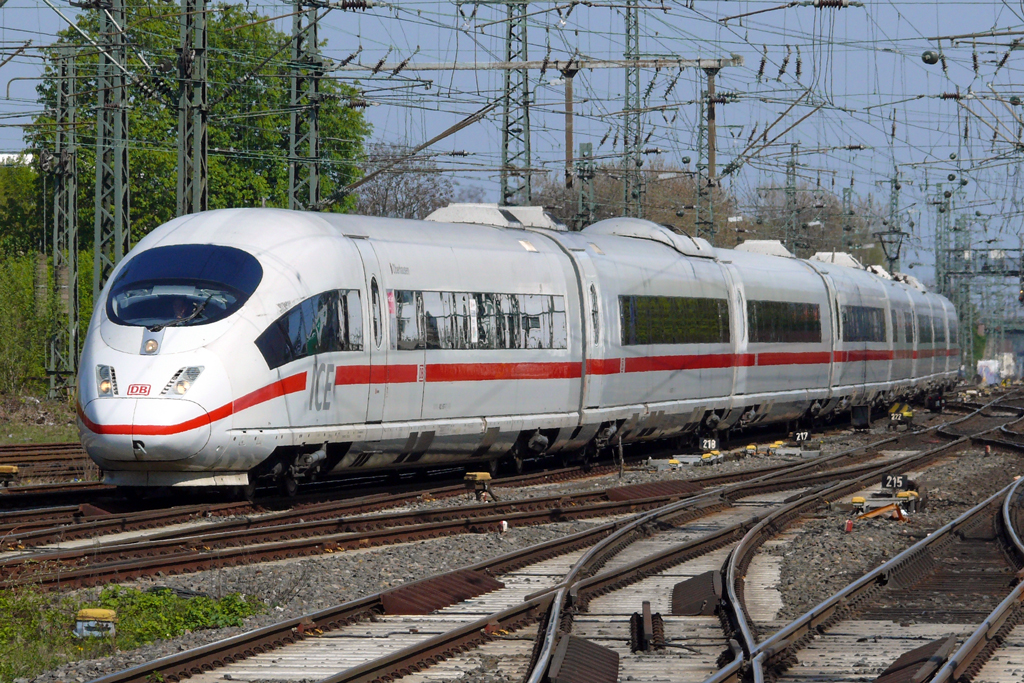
(931, 593)
(49, 461)
(623, 552)
(340, 525)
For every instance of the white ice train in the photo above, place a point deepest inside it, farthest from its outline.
(246, 344)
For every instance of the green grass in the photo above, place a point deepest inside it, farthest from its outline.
(36, 628)
(11, 433)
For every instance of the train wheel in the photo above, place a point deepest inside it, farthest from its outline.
(289, 487)
(248, 492)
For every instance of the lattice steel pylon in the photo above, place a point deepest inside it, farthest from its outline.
(632, 177)
(585, 198)
(962, 291)
(515, 119)
(792, 217)
(193, 110)
(62, 365)
(304, 126)
(112, 222)
(942, 242)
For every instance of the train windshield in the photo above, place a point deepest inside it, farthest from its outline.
(183, 285)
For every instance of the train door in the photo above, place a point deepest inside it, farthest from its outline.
(595, 327)
(376, 341)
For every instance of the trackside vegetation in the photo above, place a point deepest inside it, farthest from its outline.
(36, 629)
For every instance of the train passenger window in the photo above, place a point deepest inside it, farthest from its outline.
(438, 332)
(182, 285)
(326, 323)
(954, 331)
(924, 329)
(405, 322)
(892, 324)
(940, 329)
(908, 327)
(486, 322)
(375, 303)
(595, 316)
(784, 322)
(673, 320)
(863, 324)
(511, 315)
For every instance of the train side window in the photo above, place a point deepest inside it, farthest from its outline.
(486, 323)
(940, 329)
(924, 329)
(784, 322)
(510, 307)
(325, 323)
(954, 330)
(673, 320)
(437, 320)
(892, 321)
(559, 324)
(908, 327)
(863, 324)
(375, 303)
(595, 315)
(405, 322)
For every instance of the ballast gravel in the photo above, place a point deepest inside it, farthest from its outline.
(823, 559)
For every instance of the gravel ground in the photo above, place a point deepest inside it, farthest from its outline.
(824, 559)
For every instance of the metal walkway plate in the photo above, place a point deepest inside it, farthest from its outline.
(653, 490)
(577, 660)
(424, 597)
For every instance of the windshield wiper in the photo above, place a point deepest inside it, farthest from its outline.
(177, 323)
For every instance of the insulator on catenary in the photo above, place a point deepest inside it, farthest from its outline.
(799, 63)
(974, 60)
(967, 129)
(764, 62)
(831, 4)
(951, 96)
(753, 134)
(352, 4)
(785, 62)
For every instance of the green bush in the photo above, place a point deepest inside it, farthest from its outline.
(36, 628)
(145, 617)
(22, 327)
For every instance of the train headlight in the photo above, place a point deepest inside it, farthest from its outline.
(150, 346)
(182, 380)
(106, 381)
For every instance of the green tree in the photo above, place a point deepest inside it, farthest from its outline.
(248, 126)
(19, 207)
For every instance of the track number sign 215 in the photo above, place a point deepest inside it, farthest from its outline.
(899, 482)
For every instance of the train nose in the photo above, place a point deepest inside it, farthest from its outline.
(144, 429)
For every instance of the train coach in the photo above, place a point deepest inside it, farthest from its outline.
(241, 345)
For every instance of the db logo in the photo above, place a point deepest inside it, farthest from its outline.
(138, 390)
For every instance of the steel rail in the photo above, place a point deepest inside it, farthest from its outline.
(978, 647)
(206, 657)
(192, 556)
(881, 574)
(750, 541)
(571, 584)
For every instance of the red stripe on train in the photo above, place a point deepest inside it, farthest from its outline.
(282, 387)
